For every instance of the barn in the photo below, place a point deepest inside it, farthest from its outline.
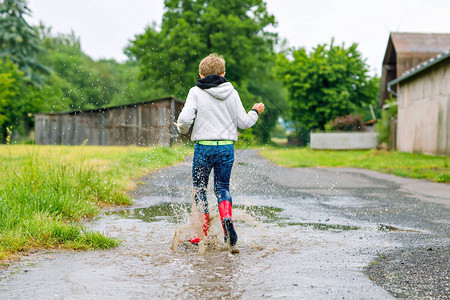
(404, 51)
(424, 107)
(416, 72)
(144, 124)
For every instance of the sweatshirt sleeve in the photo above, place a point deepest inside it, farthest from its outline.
(244, 120)
(188, 113)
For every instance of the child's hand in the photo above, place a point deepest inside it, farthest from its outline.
(176, 124)
(259, 107)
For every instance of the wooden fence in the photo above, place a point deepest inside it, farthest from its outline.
(146, 123)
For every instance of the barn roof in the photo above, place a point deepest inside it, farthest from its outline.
(407, 42)
(422, 67)
(73, 112)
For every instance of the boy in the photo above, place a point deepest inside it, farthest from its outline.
(218, 112)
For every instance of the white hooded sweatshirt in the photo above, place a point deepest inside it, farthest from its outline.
(217, 111)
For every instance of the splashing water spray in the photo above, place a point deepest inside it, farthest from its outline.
(189, 224)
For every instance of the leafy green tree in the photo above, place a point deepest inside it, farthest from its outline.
(13, 97)
(52, 96)
(63, 54)
(20, 41)
(82, 83)
(190, 30)
(7, 91)
(269, 90)
(327, 82)
(372, 88)
(129, 88)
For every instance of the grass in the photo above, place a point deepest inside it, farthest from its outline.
(435, 168)
(47, 191)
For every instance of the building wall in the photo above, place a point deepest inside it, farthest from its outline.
(424, 112)
(143, 124)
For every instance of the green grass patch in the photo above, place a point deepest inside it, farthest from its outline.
(411, 165)
(47, 191)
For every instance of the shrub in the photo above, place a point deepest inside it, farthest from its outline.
(347, 123)
(299, 137)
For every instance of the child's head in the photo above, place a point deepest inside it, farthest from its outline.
(213, 64)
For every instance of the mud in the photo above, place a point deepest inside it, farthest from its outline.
(303, 234)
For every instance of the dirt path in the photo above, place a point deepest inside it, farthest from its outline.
(303, 234)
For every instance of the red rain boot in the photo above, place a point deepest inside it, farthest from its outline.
(205, 225)
(225, 211)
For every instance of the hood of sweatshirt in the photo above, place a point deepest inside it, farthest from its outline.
(217, 86)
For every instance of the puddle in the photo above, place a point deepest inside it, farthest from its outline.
(388, 228)
(177, 212)
(265, 214)
(187, 223)
(350, 202)
(323, 226)
(171, 212)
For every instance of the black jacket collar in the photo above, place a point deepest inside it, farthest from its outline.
(210, 81)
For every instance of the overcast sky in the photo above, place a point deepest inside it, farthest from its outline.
(105, 26)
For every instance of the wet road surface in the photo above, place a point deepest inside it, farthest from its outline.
(303, 234)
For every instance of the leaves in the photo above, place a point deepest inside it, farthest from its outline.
(191, 30)
(329, 81)
(19, 41)
(79, 82)
(13, 95)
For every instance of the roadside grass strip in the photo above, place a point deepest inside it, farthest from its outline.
(413, 165)
(46, 192)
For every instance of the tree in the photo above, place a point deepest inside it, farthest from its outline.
(7, 91)
(129, 88)
(84, 81)
(269, 90)
(79, 82)
(13, 97)
(190, 30)
(20, 41)
(327, 82)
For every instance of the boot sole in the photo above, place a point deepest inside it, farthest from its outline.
(230, 233)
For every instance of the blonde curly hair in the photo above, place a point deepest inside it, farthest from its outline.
(213, 64)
